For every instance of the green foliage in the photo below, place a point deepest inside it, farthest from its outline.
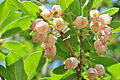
(34, 60)
(115, 71)
(11, 32)
(17, 47)
(96, 4)
(111, 11)
(22, 63)
(106, 61)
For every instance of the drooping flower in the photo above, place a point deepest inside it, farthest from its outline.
(105, 18)
(41, 27)
(39, 37)
(103, 37)
(97, 43)
(94, 14)
(71, 63)
(92, 74)
(100, 47)
(96, 25)
(80, 22)
(50, 52)
(58, 23)
(33, 25)
(100, 69)
(46, 14)
(50, 39)
(101, 50)
(57, 10)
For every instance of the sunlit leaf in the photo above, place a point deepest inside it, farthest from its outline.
(31, 63)
(111, 11)
(115, 71)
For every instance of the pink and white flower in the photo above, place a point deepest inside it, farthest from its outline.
(58, 24)
(94, 14)
(100, 69)
(92, 74)
(57, 10)
(71, 63)
(80, 22)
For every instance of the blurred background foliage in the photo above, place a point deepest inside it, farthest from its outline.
(17, 49)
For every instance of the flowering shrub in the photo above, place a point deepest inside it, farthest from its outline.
(66, 41)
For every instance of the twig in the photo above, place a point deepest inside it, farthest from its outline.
(79, 70)
(67, 43)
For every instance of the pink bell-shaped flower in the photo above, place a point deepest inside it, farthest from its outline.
(105, 18)
(100, 69)
(80, 22)
(92, 74)
(57, 10)
(94, 14)
(58, 23)
(71, 63)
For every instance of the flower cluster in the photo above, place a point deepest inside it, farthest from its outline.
(98, 71)
(42, 30)
(99, 25)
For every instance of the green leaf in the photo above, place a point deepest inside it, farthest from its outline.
(111, 11)
(62, 50)
(58, 72)
(16, 71)
(2, 71)
(71, 77)
(11, 58)
(10, 32)
(115, 24)
(23, 23)
(16, 46)
(32, 8)
(106, 61)
(27, 7)
(116, 30)
(41, 63)
(31, 63)
(87, 7)
(115, 71)
(72, 8)
(64, 3)
(2, 56)
(96, 4)
(8, 14)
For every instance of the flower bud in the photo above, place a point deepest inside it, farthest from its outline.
(46, 14)
(57, 10)
(92, 74)
(58, 24)
(100, 69)
(80, 22)
(50, 53)
(41, 27)
(94, 14)
(71, 63)
(105, 18)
